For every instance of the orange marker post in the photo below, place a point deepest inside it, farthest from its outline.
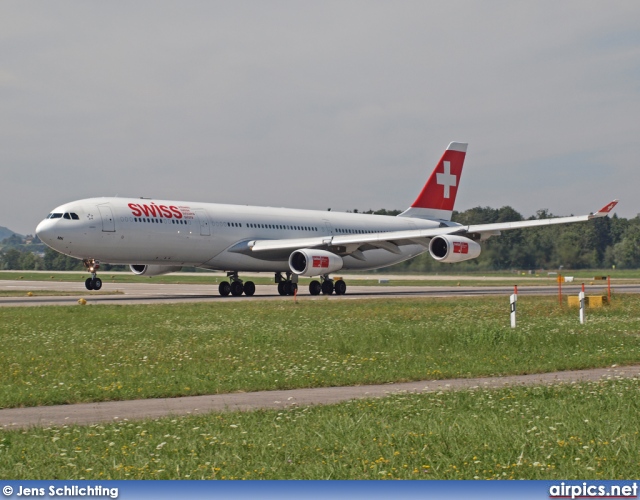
(560, 289)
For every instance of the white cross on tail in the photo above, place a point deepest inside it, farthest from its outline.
(447, 179)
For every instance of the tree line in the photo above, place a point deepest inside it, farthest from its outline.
(30, 254)
(599, 243)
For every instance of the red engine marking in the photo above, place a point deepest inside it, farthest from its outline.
(460, 247)
(322, 262)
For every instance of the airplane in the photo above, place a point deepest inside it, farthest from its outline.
(157, 237)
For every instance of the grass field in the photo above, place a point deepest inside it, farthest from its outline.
(578, 431)
(54, 355)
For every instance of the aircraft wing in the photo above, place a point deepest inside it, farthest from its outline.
(504, 226)
(354, 244)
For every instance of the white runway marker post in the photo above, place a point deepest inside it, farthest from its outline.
(581, 296)
(513, 301)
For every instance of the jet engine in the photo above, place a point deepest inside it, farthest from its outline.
(453, 248)
(143, 270)
(307, 262)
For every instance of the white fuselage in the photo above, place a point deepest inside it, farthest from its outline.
(172, 233)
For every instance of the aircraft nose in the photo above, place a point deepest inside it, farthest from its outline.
(44, 231)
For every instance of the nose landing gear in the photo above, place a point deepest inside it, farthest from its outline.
(93, 283)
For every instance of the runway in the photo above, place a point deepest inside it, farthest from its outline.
(158, 293)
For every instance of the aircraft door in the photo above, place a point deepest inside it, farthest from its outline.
(203, 220)
(329, 227)
(108, 224)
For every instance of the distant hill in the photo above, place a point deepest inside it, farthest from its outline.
(6, 233)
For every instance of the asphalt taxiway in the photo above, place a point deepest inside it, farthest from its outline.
(114, 411)
(157, 293)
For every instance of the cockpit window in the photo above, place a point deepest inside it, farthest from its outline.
(67, 215)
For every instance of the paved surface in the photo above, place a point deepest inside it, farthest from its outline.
(153, 293)
(90, 413)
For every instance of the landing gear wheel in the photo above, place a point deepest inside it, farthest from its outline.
(340, 287)
(88, 283)
(327, 287)
(291, 288)
(249, 288)
(224, 288)
(282, 288)
(315, 287)
(236, 288)
(97, 283)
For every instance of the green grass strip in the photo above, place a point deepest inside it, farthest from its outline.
(577, 431)
(57, 355)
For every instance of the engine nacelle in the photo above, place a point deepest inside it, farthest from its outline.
(307, 262)
(143, 270)
(453, 248)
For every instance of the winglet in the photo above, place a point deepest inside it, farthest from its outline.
(604, 211)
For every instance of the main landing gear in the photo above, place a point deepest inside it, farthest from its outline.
(288, 285)
(327, 286)
(237, 287)
(93, 283)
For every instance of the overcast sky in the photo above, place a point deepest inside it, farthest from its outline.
(320, 104)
